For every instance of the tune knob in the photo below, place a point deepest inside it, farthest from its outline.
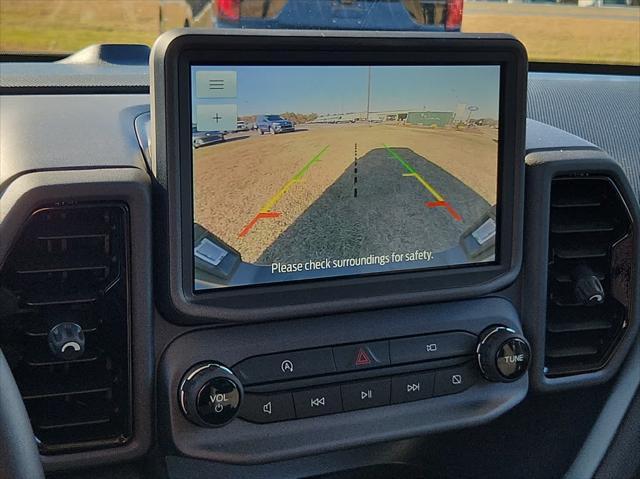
(503, 355)
(210, 395)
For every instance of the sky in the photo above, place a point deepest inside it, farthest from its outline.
(343, 89)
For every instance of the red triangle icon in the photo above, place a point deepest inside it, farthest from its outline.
(362, 358)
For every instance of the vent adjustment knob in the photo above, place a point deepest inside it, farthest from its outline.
(588, 288)
(503, 355)
(66, 341)
(210, 395)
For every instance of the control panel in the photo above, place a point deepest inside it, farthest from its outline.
(347, 377)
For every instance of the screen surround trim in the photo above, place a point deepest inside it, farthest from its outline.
(173, 55)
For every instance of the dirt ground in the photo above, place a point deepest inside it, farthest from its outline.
(551, 32)
(562, 33)
(236, 180)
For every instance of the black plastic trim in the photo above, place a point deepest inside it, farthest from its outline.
(244, 443)
(123, 436)
(581, 68)
(367, 374)
(542, 167)
(131, 186)
(175, 51)
(603, 432)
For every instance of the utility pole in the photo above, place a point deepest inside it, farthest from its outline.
(369, 93)
(471, 109)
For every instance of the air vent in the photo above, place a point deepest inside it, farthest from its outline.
(590, 252)
(70, 266)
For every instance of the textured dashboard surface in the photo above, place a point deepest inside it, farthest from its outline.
(49, 132)
(604, 110)
(57, 76)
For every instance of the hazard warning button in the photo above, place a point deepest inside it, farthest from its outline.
(361, 356)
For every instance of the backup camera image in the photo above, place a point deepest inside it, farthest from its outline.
(303, 172)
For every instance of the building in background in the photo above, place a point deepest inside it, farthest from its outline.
(438, 119)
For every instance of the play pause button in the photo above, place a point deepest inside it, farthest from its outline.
(412, 387)
(365, 394)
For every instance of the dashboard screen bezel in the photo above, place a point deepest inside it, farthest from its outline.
(173, 55)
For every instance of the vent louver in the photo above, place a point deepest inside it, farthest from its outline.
(70, 265)
(590, 243)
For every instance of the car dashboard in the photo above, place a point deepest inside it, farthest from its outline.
(80, 202)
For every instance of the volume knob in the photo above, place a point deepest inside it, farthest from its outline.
(503, 355)
(210, 394)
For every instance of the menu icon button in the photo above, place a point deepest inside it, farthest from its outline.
(216, 84)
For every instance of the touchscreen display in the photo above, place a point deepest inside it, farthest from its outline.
(307, 172)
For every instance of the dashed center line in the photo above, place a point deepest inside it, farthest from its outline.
(355, 170)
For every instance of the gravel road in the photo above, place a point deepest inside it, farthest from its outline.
(378, 211)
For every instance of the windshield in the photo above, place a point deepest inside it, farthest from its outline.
(566, 31)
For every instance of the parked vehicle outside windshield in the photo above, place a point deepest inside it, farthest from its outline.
(566, 31)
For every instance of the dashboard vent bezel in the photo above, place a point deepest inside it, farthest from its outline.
(582, 339)
(99, 300)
